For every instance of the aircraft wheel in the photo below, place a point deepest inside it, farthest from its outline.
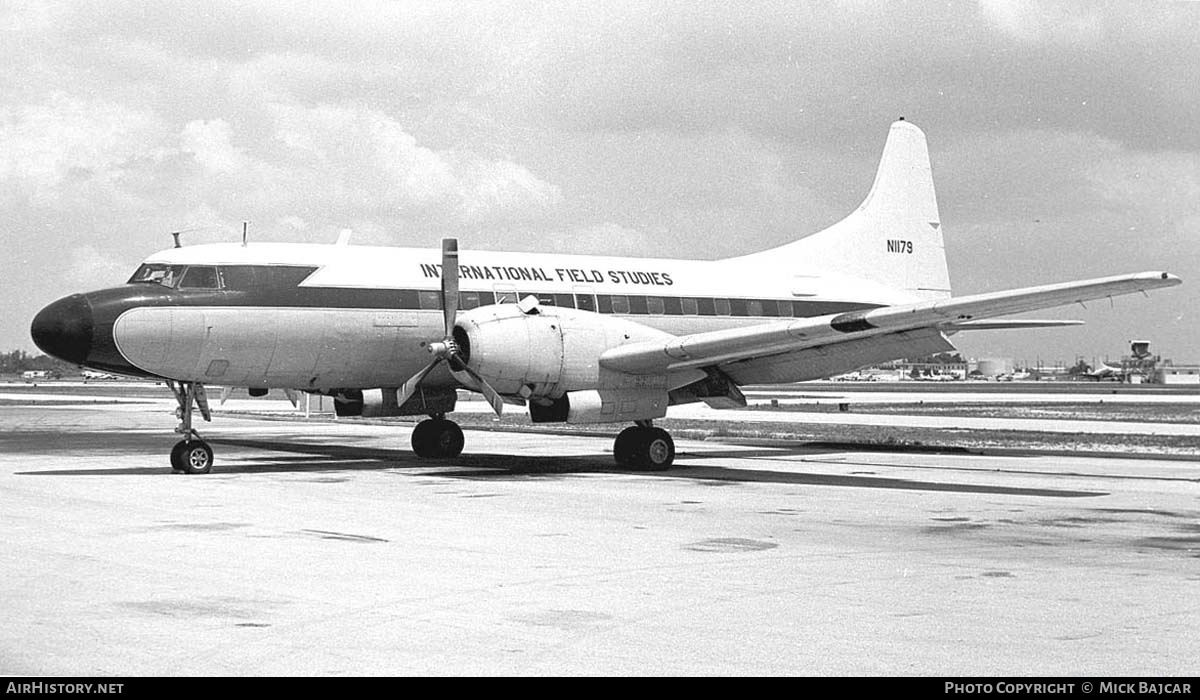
(437, 438)
(195, 457)
(177, 456)
(655, 450)
(422, 439)
(448, 438)
(625, 446)
(651, 449)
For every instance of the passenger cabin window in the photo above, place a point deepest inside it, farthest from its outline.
(157, 273)
(201, 277)
(430, 300)
(468, 300)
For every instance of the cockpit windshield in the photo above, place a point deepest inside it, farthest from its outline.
(157, 273)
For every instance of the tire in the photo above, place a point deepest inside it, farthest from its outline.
(656, 451)
(196, 457)
(177, 456)
(448, 438)
(625, 446)
(437, 438)
(422, 439)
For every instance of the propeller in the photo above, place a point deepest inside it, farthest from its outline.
(447, 349)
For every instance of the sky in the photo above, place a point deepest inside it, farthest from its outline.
(1064, 136)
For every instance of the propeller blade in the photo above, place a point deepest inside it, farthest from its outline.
(489, 393)
(405, 392)
(449, 283)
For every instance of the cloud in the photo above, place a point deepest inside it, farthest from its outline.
(370, 159)
(1034, 20)
(208, 142)
(90, 267)
(598, 239)
(65, 139)
(1164, 183)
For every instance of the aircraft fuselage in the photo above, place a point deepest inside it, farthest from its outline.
(334, 317)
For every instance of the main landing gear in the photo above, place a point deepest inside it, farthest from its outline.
(644, 447)
(190, 455)
(437, 437)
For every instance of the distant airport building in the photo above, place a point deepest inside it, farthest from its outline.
(1140, 366)
(1169, 373)
(993, 366)
(935, 368)
(1043, 373)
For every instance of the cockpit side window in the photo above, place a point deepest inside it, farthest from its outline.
(157, 273)
(199, 277)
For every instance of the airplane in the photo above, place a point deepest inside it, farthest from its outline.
(1105, 371)
(92, 374)
(577, 339)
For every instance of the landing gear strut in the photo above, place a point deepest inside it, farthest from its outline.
(644, 447)
(190, 455)
(437, 437)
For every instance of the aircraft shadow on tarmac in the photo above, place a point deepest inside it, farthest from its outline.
(316, 457)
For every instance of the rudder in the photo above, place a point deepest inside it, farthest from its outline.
(894, 238)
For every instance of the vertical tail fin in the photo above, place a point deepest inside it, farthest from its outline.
(894, 238)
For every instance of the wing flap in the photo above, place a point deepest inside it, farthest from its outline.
(716, 347)
(994, 325)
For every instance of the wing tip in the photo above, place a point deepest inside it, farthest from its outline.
(1163, 278)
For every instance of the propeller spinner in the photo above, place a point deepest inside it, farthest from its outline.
(447, 349)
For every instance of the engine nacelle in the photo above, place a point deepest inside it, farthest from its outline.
(543, 354)
(603, 406)
(382, 403)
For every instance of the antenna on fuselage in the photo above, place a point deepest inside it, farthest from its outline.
(175, 234)
(244, 225)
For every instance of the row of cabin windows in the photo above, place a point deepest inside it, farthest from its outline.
(649, 305)
(257, 277)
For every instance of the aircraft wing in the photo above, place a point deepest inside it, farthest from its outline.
(858, 328)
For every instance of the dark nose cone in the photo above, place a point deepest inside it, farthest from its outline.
(64, 329)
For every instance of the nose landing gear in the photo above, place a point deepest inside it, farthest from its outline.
(190, 455)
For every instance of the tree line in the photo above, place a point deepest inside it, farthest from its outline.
(19, 361)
